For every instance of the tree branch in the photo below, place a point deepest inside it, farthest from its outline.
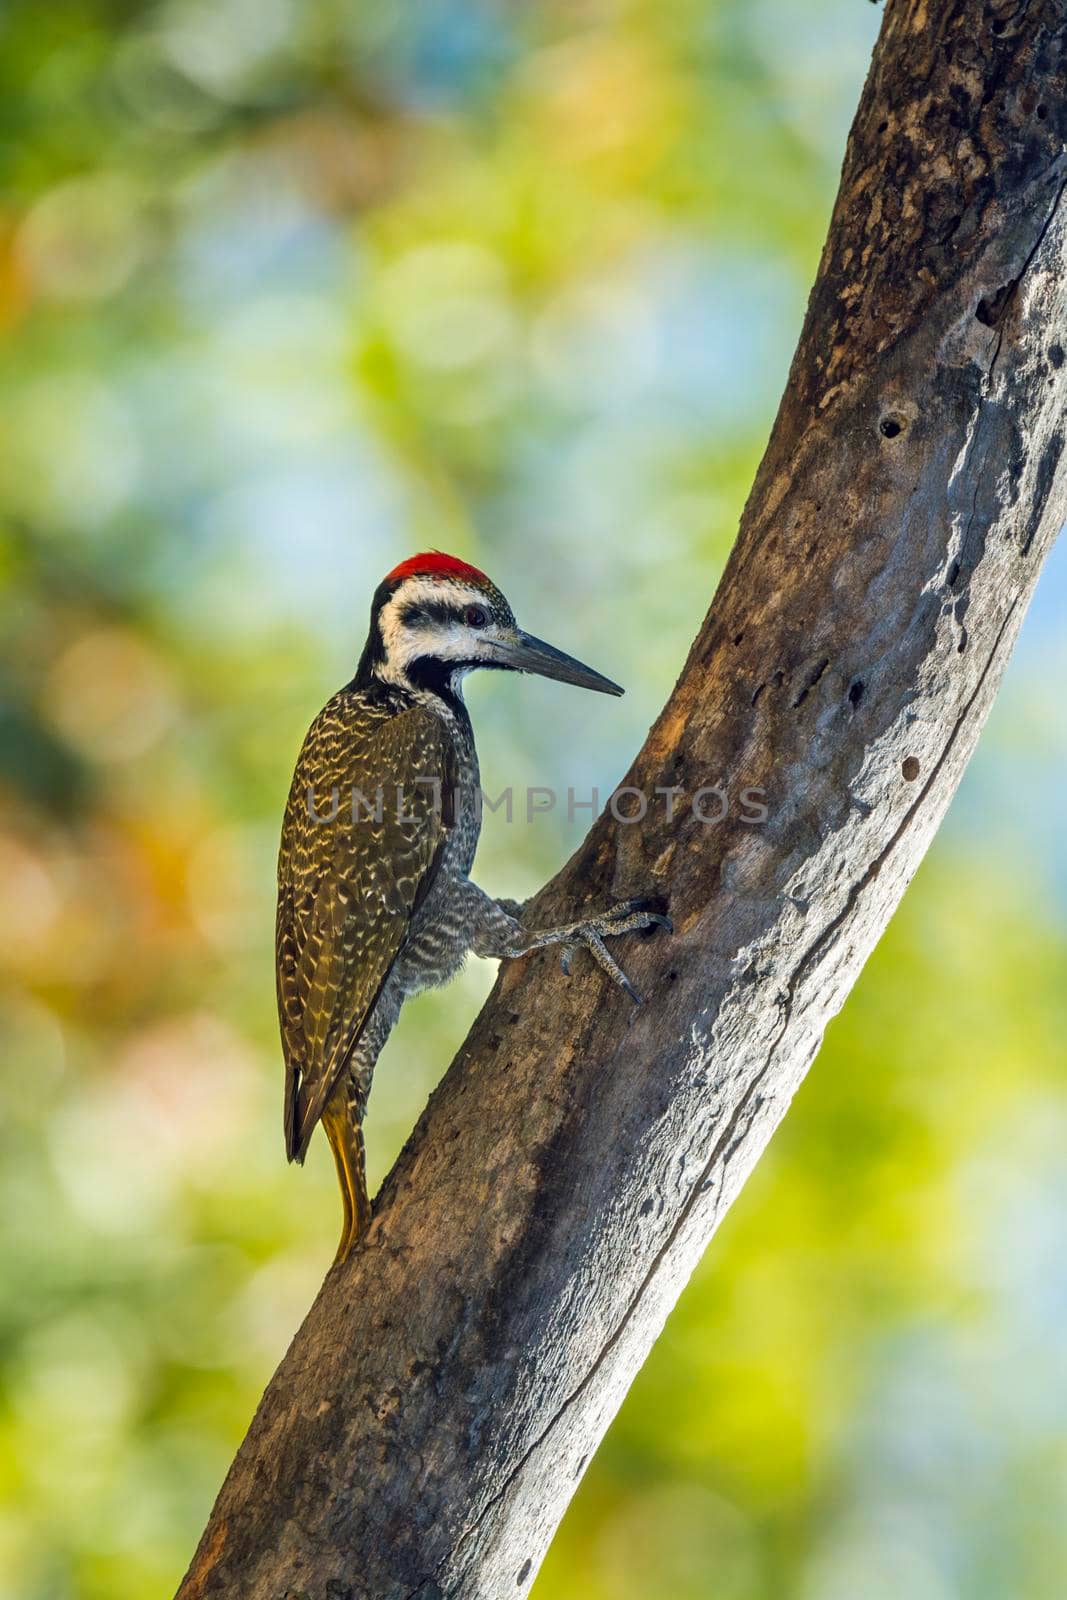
(431, 1420)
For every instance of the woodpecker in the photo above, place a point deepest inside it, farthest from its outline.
(375, 901)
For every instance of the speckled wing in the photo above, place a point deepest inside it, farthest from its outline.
(348, 888)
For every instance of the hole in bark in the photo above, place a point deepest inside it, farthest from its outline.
(1042, 113)
(855, 693)
(999, 26)
(738, 637)
(883, 125)
(816, 674)
(1055, 355)
(523, 1572)
(990, 308)
(774, 682)
(892, 424)
(953, 573)
(910, 768)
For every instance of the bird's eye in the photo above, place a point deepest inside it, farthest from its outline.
(475, 617)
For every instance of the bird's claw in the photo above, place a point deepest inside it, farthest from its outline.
(629, 916)
(625, 984)
(636, 915)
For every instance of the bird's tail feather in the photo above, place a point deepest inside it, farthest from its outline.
(303, 1109)
(292, 1114)
(346, 1140)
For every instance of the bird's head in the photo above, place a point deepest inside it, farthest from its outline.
(435, 618)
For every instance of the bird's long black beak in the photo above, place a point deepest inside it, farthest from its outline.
(524, 653)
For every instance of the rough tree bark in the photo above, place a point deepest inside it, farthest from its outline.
(435, 1412)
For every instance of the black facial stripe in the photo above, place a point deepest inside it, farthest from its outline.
(431, 611)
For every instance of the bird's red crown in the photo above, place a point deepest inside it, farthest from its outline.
(435, 564)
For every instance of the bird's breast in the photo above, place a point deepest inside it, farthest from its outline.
(465, 802)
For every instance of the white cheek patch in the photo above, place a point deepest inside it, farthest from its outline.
(405, 642)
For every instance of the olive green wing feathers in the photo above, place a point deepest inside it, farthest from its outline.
(350, 878)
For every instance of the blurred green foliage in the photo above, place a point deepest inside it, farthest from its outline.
(289, 290)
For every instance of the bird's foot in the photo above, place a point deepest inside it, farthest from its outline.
(628, 916)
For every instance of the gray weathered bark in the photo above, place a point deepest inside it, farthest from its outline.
(434, 1414)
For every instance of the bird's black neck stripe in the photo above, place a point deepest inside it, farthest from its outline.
(373, 657)
(430, 675)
